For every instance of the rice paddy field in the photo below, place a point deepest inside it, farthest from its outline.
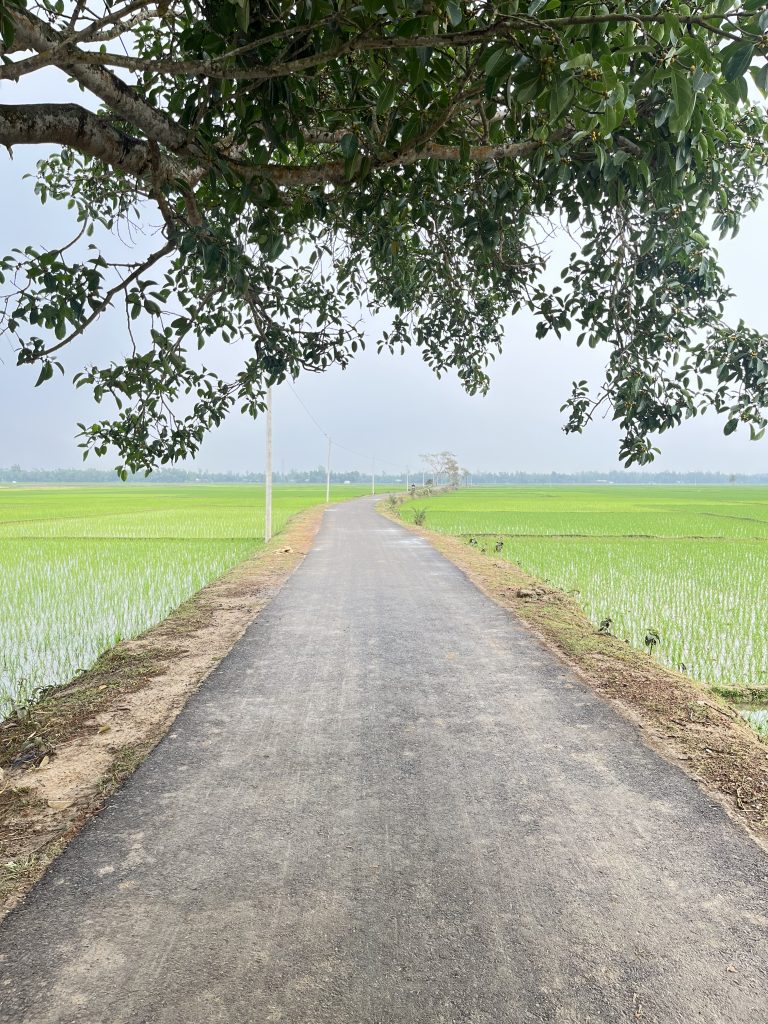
(82, 568)
(688, 562)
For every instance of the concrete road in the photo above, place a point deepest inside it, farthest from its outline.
(391, 805)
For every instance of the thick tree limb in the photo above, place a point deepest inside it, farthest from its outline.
(118, 96)
(74, 126)
(68, 124)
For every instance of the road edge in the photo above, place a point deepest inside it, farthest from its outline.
(688, 725)
(90, 735)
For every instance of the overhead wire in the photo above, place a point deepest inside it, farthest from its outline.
(337, 444)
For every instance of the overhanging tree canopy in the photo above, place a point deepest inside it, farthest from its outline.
(306, 160)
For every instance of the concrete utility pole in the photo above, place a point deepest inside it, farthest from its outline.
(373, 476)
(407, 477)
(328, 474)
(268, 473)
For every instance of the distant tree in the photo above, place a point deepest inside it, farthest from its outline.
(433, 461)
(445, 468)
(451, 469)
(273, 166)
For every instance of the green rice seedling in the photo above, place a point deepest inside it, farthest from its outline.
(82, 568)
(691, 560)
(759, 721)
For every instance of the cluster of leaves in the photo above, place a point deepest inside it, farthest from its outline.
(311, 160)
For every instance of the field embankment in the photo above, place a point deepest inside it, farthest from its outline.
(82, 568)
(65, 753)
(690, 563)
(683, 719)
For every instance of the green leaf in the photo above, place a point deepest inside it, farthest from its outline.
(7, 28)
(738, 61)
(581, 60)
(348, 145)
(730, 426)
(243, 14)
(45, 374)
(663, 113)
(560, 97)
(685, 100)
(454, 13)
(386, 97)
(613, 115)
(499, 62)
(701, 80)
(760, 78)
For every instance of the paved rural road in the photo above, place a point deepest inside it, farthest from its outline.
(390, 805)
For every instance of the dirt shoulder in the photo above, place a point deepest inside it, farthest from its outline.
(681, 719)
(67, 754)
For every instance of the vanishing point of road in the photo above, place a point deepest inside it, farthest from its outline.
(391, 805)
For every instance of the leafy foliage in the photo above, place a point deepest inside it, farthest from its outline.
(292, 165)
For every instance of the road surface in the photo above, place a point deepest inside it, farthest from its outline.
(391, 805)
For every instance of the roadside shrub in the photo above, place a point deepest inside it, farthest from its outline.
(420, 516)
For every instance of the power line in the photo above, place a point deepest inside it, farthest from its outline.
(363, 455)
(306, 410)
(327, 436)
(336, 444)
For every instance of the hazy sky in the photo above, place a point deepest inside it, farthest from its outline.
(392, 407)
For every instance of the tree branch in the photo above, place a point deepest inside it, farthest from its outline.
(68, 124)
(507, 28)
(119, 97)
(107, 300)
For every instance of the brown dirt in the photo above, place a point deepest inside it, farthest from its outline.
(682, 719)
(80, 742)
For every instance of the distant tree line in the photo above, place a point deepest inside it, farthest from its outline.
(15, 474)
(447, 473)
(618, 477)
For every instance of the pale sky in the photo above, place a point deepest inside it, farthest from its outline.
(391, 407)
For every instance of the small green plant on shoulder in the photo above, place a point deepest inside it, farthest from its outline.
(651, 639)
(393, 501)
(420, 516)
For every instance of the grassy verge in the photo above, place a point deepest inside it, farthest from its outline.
(689, 724)
(63, 756)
